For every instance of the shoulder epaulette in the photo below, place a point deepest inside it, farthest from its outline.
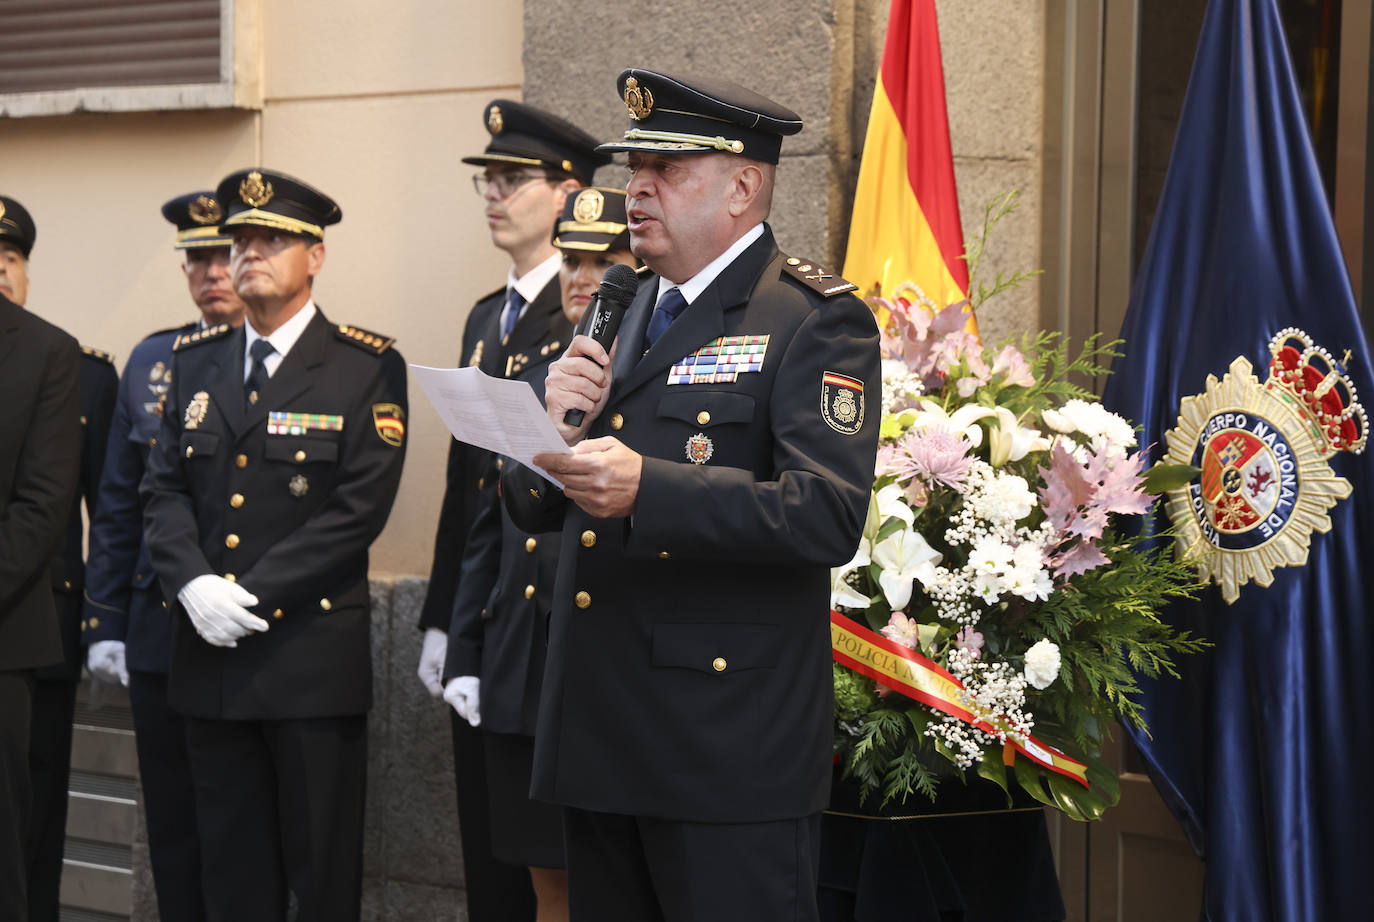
(364, 339)
(200, 336)
(183, 328)
(98, 355)
(826, 284)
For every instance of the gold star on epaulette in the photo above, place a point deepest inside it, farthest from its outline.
(826, 284)
(200, 336)
(98, 355)
(375, 343)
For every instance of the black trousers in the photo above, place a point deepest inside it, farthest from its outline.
(640, 869)
(279, 805)
(50, 763)
(16, 704)
(496, 891)
(169, 799)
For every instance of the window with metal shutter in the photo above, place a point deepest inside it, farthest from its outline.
(69, 44)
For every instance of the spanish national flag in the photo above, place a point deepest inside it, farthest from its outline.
(905, 226)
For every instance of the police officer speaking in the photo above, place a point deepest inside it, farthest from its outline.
(276, 467)
(722, 468)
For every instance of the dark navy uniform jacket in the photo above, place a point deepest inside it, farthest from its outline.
(689, 662)
(99, 385)
(40, 453)
(499, 630)
(123, 599)
(469, 475)
(287, 506)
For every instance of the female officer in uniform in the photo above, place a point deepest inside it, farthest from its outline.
(499, 628)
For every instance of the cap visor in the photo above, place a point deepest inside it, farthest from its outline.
(505, 158)
(657, 147)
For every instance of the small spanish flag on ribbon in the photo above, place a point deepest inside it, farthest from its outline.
(905, 225)
(909, 673)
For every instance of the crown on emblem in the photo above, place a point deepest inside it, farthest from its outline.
(1315, 383)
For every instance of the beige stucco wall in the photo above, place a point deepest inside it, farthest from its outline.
(374, 107)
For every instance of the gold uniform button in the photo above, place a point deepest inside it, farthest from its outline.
(663, 555)
(529, 591)
(703, 418)
(236, 500)
(95, 622)
(718, 664)
(83, 625)
(190, 450)
(325, 605)
(66, 584)
(589, 538)
(530, 544)
(231, 541)
(231, 577)
(152, 442)
(241, 461)
(617, 421)
(481, 482)
(164, 604)
(499, 464)
(277, 614)
(583, 599)
(300, 454)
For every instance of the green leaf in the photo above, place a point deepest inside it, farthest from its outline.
(1162, 477)
(1076, 801)
(992, 769)
(1028, 776)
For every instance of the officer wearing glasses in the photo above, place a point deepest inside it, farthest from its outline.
(531, 164)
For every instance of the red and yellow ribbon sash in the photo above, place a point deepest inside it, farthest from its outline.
(905, 671)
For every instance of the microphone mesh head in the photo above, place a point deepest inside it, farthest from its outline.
(619, 284)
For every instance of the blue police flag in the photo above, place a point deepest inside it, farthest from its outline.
(1243, 350)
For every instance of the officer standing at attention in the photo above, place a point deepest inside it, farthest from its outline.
(722, 469)
(532, 163)
(40, 463)
(276, 466)
(125, 624)
(54, 692)
(499, 632)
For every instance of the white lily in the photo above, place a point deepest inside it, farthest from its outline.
(882, 505)
(843, 594)
(1010, 441)
(963, 420)
(904, 556)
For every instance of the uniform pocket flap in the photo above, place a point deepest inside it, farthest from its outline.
(706, 408)
(199, 444)
(300, 449)
(713, 648)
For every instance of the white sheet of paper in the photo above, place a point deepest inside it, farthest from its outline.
(492, 413)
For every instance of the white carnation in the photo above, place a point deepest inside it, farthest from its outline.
(1042, 664)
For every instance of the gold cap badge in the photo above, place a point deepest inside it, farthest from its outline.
(254, 191)
(2, 209)
(205, 210)
(588, 205)
(638, 100)
(494, 120)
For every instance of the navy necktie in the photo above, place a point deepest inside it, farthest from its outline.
(515, 305)
(669, 307)
(257, 374)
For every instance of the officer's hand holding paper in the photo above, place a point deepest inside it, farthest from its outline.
(492, 413)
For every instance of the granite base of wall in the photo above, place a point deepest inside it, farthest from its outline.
(412, 860)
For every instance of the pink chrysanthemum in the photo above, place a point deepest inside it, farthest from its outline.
(934, 455)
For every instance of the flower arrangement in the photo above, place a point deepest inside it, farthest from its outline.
(1002, 600)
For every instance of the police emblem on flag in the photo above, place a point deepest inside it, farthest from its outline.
(842, 402)
(1265, 485)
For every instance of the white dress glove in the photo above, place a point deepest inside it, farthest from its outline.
(105, 660)
(432, 654)
(219, 609)
(462, 694)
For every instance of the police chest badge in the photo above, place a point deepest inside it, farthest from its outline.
(842, 402)
(197, 409)
(1263, 450)
(700, 448)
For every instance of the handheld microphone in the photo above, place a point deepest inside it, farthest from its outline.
(602, 320)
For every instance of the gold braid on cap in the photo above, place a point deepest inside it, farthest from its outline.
(697, 140)
(257, 218)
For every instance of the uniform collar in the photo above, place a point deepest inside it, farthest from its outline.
(531, 283)
(284, 336)
(695, 285)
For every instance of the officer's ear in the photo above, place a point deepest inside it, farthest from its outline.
(747, 187)
(314, 254)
